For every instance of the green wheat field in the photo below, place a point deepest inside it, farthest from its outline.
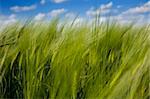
(101, 60)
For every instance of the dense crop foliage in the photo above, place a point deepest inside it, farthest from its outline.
(77, 61)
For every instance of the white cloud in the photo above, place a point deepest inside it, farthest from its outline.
(22, 8)
(52, 13)
(42, 1)
(135, 14)
(106, 6)
(140, 9)
(58, 1)
(77, 22)
(138, 19)
(39, 16)
(12, 16)
(103, 9)
(70, 15)
(7, 20)
(57, 12)
(131, 18)
(54, 1)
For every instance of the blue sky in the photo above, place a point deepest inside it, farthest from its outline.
(40, 9)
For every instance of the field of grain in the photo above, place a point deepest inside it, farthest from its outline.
(103, 60)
